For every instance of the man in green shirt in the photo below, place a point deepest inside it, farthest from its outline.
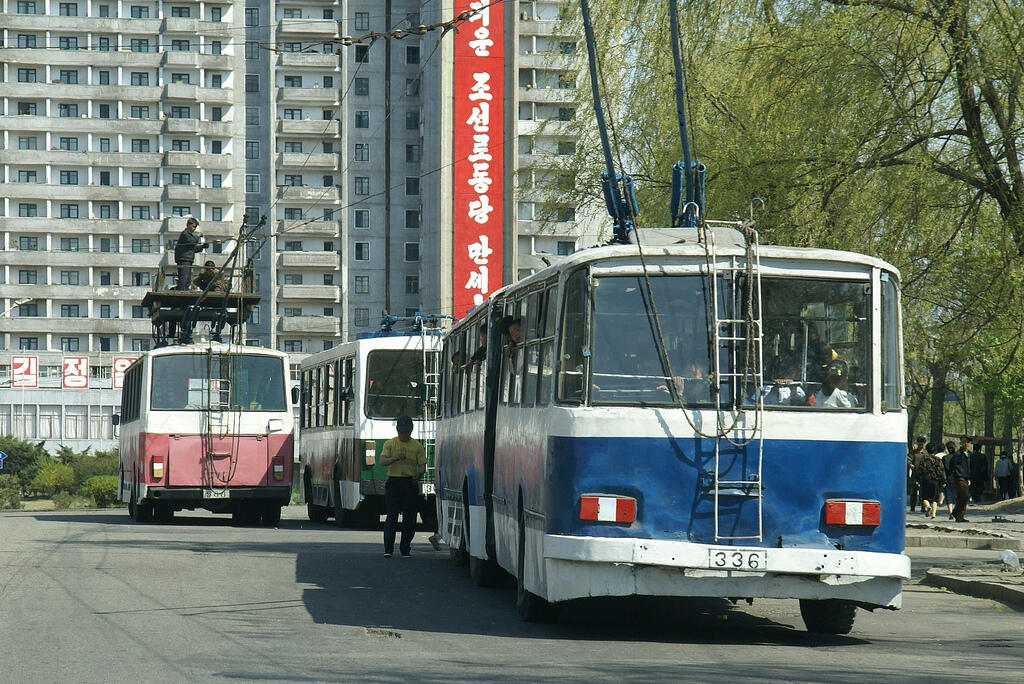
(406, 462)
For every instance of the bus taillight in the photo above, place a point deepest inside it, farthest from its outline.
(607, 508)
(865, 513)
(277, 468)
(157, 467)
(370, 451)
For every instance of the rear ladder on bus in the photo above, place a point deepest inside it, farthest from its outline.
(738, 327)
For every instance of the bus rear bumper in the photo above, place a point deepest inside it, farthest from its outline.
(201, 495)
(577, 567)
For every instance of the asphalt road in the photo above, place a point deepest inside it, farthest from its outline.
(91, 597)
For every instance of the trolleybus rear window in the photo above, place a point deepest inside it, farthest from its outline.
(394, 383)
(244, 382)
(816, 337)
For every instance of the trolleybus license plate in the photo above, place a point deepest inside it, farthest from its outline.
(215, 494)
(728, 558)
(426, 488)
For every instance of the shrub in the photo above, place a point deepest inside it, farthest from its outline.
(8, 481)
(54, 477)
(10, 498)
(86, 467)
(102, 489)
(23, 458)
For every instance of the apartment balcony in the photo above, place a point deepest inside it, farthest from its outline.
(528, 27)
(181, 91)
(181, 58)
(216, 29)
(552, 127)
(220, 129)
(187, 25)
(114, 326)
(328, 260)
(307, 59)
(549, 60)
(307, 96)
(305, 192)
(298, 160)
(315, 325)
(309, 228)
(330, 293)
(319, 128)
(112, 58)
(57, 326)
(16, 257)
(182, 159)
(308, 28)
(187, 126)
(217, 96)
(223, 195)
(181, 193)
(545, 94)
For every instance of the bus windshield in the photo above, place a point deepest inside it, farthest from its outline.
(394, 383)
(816, 342)
(245, 382)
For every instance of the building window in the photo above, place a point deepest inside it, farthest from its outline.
(28, 143)
(183, 78)
(182, 12)
(292, 311)
(293, 147)
(362, 152)
(252, 83)
(362, 218)
(69, 277)
(142, 278)
(292, 214)
(67, 43)
(216, 180)
(27, 76)
(179, 178)
(69, 344)
(293, 114)
(292, 81)
(412, 251)
(69, 211)
(362, 54)
(216, 113)
(293, 179)
(216, 13)
(141, 246)
(292, 278)
(362, 118)
(216, 47)
(412, 121)
(106, 211)
(140, 178)
(140, 212)
(361, 23)
(139, 78)
(565, 247)
(217, 214)
(181, 145)
(139, 45)
(69, 177)
(105, 308)
(28, 210)
(69, 143)
(412, 86)
(252, 50)
(69, 76)
(28, 343)
(566, 147)
(252, 16)
(140, 145)
(293, 246)
(412, 218)
(252, 182)
(27, 277)
(361, 317)
(67, 111)
(293, 346)
(252, 149)
(252, 116)
(69, 311)
(412, 153)
(412, 54)
(138, 311)
(361, 87)
(180, 112)
(412, 284)
(361, 185)
(361, 284)
(27, 176)
(139, 12)
(362, 251)
(104, 344)
(139, 112)
(69, 244)
(328, 279)
(30, 310)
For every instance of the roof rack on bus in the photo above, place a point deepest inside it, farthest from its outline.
(224, 297)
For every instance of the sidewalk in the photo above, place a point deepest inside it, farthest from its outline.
(994, 526)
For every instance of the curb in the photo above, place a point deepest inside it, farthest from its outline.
(1012, 596)
(948, 541)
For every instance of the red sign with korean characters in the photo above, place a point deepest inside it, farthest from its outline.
(24, 371)
(119, 366)
(76, 372)
(477, 153)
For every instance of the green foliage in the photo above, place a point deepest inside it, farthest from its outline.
(53, 478)
(102, 489)
(63, 501)
(23, 458)
(10, 492)
(86, 467)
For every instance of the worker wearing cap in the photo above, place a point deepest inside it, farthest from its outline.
(406, 462)
(189, 242)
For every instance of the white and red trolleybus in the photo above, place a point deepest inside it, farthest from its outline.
(206, 426)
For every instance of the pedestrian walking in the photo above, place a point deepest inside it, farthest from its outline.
(931, 474)
(189, 242)
(959, 472)
(406, 461)
(1004, 476)
(949, 488)
(979, 473)
(914, 458)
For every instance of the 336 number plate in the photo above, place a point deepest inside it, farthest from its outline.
(738, 559)
(215, 494)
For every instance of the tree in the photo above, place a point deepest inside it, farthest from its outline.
(22, 457)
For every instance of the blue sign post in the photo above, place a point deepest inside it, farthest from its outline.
(2, 457)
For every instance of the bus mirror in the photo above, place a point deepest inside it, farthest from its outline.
(295, 396)
(116, 419)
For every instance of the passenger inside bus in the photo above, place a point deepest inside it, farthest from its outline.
(834, 392)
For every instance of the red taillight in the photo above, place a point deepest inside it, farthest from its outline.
(277, 468)
(607, 508)
(838, 512)
(157, 467)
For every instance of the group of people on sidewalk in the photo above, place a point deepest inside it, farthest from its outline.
(954, 476)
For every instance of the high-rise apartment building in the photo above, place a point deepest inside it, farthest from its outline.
(117, 119)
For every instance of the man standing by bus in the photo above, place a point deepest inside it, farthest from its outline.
(406, 462)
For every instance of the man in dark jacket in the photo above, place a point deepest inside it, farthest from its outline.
(189, 242)
(979, 473)
(959, 473)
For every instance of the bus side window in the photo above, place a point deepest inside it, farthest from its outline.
(332, 393)
(531, 348)
(547, 333)
(573, 344)
(347, 401)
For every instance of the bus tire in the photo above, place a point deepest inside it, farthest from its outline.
(271, 514)
(831, 616)
(529, 606)
(138, 511)
(317, 514)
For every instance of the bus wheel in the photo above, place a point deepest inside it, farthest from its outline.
(529, 606)
(460, 554)
(831, 616)
(315, 513)
(139, 512)
(271, 514)
(163, 513)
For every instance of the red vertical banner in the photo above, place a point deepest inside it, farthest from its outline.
(118, 368)
(24, 371)
(478, 153)
(76, 372)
